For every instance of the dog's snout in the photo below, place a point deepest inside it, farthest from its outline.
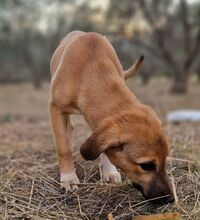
(160, 191)
(165, 199)
(156, 196)
(162, 198)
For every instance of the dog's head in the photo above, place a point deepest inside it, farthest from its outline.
(135, 143)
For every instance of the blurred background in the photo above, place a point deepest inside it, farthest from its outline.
(166, 32)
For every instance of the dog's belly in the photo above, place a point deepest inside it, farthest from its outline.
(71, 110)
(68, 107)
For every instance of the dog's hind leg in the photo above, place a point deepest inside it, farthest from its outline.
(62, 131)
(109, 172)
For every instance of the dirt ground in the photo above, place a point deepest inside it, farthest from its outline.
(29, 174)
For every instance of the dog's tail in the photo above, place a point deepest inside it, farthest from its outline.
(134, 68)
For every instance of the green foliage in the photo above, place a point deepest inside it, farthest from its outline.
(6, 118)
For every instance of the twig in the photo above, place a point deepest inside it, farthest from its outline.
(79, 206)
(31, 193)
(5, 215)
(174, 187)
(195, 205)
(110, 216)
(180, 159)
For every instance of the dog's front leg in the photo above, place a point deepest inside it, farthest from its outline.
(62, 131)
(109, 172)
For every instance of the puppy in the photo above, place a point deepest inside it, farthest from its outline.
(88, 79)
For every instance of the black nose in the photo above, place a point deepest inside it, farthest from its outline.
(165, 200)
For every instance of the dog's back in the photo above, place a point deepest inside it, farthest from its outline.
(86, 70)
(84, 48)
(82, 58)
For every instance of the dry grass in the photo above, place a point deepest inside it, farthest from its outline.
(29, 176)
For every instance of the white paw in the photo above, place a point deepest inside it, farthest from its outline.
(111, 175)
(69, 181)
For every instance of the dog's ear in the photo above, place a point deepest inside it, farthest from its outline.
(92, 147)
(105, 137)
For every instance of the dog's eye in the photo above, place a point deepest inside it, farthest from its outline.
(148, 166)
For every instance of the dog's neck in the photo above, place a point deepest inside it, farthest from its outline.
(112, 100)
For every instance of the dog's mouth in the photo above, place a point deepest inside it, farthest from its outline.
(162, 199)
(138, 187)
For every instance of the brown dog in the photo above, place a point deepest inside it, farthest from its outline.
(88, 79)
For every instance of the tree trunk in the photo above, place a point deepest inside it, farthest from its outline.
(145, 79)
(37, 83)
(180, 84)
(36, 77)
